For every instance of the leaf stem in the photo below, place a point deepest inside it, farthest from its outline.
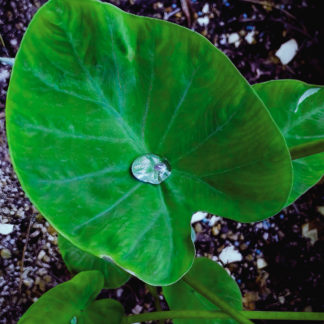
(307, 149)
(153, 291)
(138, 318)
(185, 314)
(293, 316)
(216, 300)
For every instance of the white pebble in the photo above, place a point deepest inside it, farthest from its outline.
(222, 39)
(41, 255)
(233, 38)
(14, 42)
(261, 263)
(6, 229)
(214, 220)
(230, 254)
(310, 233)
(203, 21)
(197, 217)
(287, 51)
(205, 8)
(250, 37)
(137, 309)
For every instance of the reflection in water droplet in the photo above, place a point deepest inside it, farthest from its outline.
(151, 168)
(74, 320)
(305, 95)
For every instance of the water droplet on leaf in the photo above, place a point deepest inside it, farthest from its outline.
(74, 320)
(151, 168)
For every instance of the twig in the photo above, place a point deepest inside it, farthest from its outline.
(187, 10)
(155, 294)
(24, 251)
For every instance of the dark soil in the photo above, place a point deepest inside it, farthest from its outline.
(293, 276)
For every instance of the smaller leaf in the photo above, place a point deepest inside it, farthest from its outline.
(181, 296)
(298, 110)
(66, 302)
(77, 260)
(104, 311)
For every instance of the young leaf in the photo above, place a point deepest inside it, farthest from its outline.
(66, 302)
(77, 260)
(181, 296)
(92, 89)
(298, 109)
(104, 311)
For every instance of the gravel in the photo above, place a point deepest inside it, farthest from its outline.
(282, 258)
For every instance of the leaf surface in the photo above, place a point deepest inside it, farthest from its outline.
(104, 311)
(66, 302)
(77, 260)
(298, 109)
(92, 89)
(181, 296)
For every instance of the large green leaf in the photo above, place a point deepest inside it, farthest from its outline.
(92, 89)
(77, 260)
(298, 109)
(181, 296)
(70, 302)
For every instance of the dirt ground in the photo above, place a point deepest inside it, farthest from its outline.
(290, 273)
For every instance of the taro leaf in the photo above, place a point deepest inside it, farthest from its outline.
(104, 311)
(298, 109)
(92, 89)
(66, 302)
(77, 260)
(181, 296)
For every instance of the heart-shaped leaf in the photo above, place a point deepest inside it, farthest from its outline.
(181, 296)
(70, 301)
(104, 311)
(92, 89)
(77, 260)
(298, 109)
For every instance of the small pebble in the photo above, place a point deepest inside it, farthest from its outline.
(198, 228)
(137, 309)
(6, 229)
(320, 209)
(233, 38)
(203, 21)
(230, 254)
(261, 263)
(215, 231)
(205, 8)
(5, 254)
(309, 233)
(213, 220)
(249, 38)
(287, 51)
(4, 74)
(41, 254)
(222, 39)
(197, 217)
(28, 282)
